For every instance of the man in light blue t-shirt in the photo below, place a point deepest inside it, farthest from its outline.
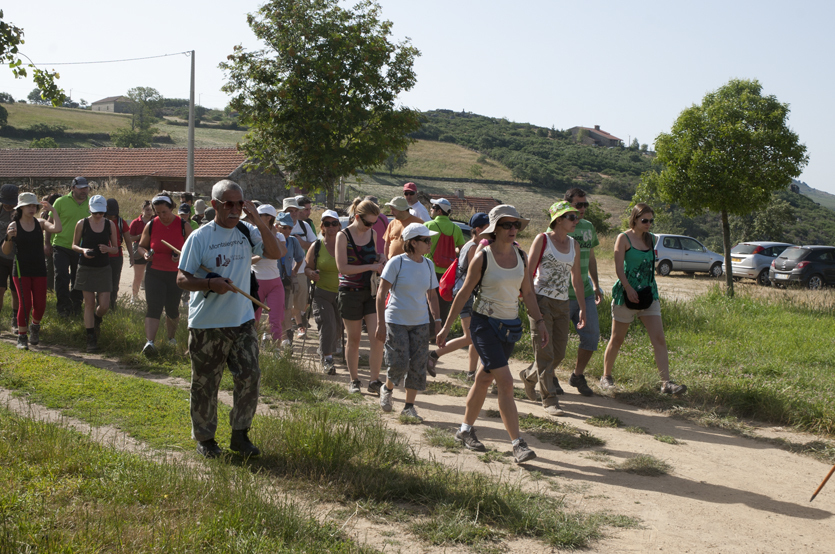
(221, 323)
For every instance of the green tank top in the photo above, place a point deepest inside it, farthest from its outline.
(328, 274)
(639, 267)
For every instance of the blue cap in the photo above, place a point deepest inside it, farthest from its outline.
(285, 219)
(479, 219)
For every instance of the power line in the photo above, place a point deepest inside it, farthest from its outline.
(188, 53)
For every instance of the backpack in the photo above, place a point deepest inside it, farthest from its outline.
(253, 281)
(443, 255)
(447, 282)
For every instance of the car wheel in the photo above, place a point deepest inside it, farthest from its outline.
(815, 282)
(664, 268)
(762, 278)
(716, 270)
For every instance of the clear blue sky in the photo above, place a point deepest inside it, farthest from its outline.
(630, 67)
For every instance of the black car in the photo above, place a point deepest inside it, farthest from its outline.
(809, 266)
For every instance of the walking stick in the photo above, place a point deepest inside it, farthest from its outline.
(234, 288)
(828, 475)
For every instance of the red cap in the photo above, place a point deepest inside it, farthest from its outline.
(410, 186)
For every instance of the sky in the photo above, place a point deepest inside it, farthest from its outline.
(630, 67)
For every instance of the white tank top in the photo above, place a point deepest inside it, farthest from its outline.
(553, 277)
(499, 295)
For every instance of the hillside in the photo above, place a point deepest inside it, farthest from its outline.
(823, 198)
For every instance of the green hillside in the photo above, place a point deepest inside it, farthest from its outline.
(823, 198)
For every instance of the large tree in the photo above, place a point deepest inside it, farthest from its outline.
(727, 155)
(11, 37)
(145, 102)
(320, 97)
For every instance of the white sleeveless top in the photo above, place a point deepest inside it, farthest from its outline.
(499, 295)
(553, 277)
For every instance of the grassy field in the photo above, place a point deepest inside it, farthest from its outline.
(443, 159)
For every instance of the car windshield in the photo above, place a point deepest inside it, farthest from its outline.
(744, 248)
(794, 253)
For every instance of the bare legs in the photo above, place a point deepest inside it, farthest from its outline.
(138, 274)
(352, 349)
(507, 405)
(90, 309)
(152, 326)
(655, 330)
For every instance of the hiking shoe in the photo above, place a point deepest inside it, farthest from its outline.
(354, 387)
(35, 334)
(149, 350)
(469, 440)
(530, 388)
(411, 412)
(375, 386)
(385, 399)
(554, 410)
(22, 342)
(241, 444)
(668, 388)
(471, 376)
(92, 343)
(430, 364)
(607, 382)
(328, 366)
(557, 387)
(302, 334)
(209, 449)
(172, 342)
(579, 382)
(521, 452)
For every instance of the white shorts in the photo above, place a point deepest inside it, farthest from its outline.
(622, 314)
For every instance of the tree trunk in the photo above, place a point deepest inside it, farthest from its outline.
(330, 201)
(726, 241)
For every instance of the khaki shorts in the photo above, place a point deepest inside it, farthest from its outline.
(622, 314)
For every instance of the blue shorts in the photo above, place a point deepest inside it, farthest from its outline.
(493, 352)
(590, 333)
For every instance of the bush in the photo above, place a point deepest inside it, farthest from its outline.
(46, 142)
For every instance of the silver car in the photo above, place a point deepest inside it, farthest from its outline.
(680, 253)
(752, 260)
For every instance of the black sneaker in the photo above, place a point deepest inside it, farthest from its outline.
(22, 342)
(668, 388)
(209, 449)
(469, 440)
(521, 452)
(375, 386)
(354, 387)
(34, 334)
(241, 444)
(92, 344)
(579, 382)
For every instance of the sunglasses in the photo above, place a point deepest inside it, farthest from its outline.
(572, 217)
(510, 225)
(408, 193)
(229, 205)
(427, 240)
(581, 205)
(650, 221)
(367, 224)
(331, 224)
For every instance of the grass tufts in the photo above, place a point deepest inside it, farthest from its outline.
(563, 435)
(605, 420)
(643, 464)
(667, 439)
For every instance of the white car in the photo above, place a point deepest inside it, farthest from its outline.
(680, 253)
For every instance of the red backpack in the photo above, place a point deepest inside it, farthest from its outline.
(447, 282)
(444, 253)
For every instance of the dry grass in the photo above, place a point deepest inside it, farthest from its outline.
(25, 115)
(443, 159)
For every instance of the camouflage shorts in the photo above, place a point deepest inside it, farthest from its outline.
(211, 350)
(407, 353)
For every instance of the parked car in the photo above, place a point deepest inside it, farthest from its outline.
(680, 253)
(752, 260)
(810, 266)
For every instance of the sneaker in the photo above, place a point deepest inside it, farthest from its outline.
(172, 342)
(579, 382)
(241, 444)
(385, 399)
(470, 376)
(287, 345)
(375, 386)
(411, 412)
(328, 367)
(521, 452)
(35, 334)
(668, 388)
(554, 410)
(302, 334)
(430, 364)
(557, 387)
(22, 342)
(494, 389)
(530, 388)
(209, 449)
(354, 387)
(469, 440)
(607, 382)
(149, 350)
(92, 343)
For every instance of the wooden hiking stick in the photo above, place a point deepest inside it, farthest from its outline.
(234, 288)
(828, 475)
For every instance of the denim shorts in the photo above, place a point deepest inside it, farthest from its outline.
(590, 332)
(493, 352)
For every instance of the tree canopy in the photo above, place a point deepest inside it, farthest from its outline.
(320, 97)
(727, 155)
(11, 37)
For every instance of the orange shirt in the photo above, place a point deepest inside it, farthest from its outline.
(393, 232)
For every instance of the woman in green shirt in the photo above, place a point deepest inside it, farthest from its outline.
(321, 269)
(635, 287)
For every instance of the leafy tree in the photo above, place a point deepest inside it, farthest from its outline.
(36, 97)
(83, 104)
(599, 218)
(395, 161)
(319, 98)
(11, 37)
(4, 116)
(644, 147)
(634, 144)
(46, 142)
(6, 98)
(132, 138)
(475, 171)
(145, 102)
(770, 223)
(727, 155)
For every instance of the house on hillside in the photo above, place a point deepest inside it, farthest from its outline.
(595, 137)
(112, 104)
(52, 169)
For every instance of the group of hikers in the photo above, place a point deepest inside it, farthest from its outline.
(405, 280)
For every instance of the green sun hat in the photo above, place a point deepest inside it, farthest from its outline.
(559, 209)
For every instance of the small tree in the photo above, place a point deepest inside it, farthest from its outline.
(36, 97)
(145, 101)
(4, 116)
(6, 98)
(395, 161)
(475, 171)
(46, 142)
(727, 155)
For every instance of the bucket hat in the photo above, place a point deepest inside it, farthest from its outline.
(27, 199)
(399, 203)
(503, 210)
(559, 209)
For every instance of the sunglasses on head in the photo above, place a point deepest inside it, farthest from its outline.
(650, 221)
(510, 225)
(408, 193)
(330, 224)
(229, 204)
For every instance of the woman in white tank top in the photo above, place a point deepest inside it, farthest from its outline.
(555, 264)
(495, 325)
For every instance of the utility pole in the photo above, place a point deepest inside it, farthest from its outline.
(190, 167)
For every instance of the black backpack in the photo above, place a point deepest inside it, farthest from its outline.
(253, 281)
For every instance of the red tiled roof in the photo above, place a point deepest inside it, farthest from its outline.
(117, 162)
(599, 132)
(461, 207)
